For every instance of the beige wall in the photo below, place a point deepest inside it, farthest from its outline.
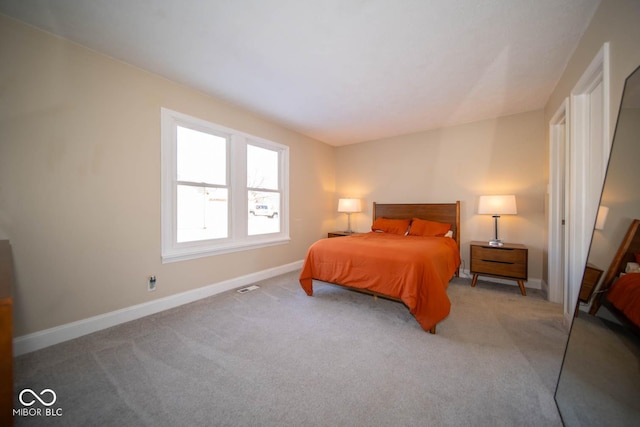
(616, 22)
(80, 181)
(620, 193)
(499, 156)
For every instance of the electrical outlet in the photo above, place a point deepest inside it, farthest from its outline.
(151, 283)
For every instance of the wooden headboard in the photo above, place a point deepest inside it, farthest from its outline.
(442, 212)
(629, 246)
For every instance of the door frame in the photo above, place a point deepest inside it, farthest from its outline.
(559, 143)
(586, 147)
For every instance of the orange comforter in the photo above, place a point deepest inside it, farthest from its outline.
(413, 269)
(625, 296)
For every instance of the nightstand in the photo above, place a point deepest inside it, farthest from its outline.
(509, 261)
(590, 280)
(340, 233)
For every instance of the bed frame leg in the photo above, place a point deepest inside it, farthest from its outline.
(432, 330)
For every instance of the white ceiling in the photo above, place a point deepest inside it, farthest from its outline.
(341, 71)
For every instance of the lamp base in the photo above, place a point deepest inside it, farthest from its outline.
(496, 242)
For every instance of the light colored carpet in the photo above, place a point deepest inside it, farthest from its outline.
(600, 382)
(276, 357)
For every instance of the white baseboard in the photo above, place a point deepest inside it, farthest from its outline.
(529, 284)
(48, 337)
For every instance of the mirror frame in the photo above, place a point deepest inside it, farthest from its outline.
(615, 144)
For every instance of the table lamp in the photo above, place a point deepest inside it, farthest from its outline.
(349, 206)
(497, 205)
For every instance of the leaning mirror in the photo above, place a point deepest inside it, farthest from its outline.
(599, 383)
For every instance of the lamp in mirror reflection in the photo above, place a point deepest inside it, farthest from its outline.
(349, 206)
(601, 219)
(497, 205)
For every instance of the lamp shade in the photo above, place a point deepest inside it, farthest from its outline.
(601, 219)
(349, 205)
(497, 205)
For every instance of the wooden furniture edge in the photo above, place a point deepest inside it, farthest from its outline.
(629, 245)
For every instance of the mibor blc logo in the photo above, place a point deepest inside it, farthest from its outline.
(32, 402)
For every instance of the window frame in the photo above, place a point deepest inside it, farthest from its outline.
(238, 209)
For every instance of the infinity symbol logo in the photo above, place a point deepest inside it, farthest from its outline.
(36, 397)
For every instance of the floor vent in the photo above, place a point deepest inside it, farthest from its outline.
(248, 289)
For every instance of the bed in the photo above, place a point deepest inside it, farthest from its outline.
(620, 289)
(414, 269)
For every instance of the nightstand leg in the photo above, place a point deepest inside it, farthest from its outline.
(474, 280)
(522, 289)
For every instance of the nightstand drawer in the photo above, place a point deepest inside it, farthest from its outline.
(589, 281)
(517, 256)
(500, 268)
(585, 292)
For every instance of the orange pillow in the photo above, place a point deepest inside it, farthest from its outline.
(423, 227)
(392, 226)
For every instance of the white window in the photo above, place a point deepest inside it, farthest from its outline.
(222, 190)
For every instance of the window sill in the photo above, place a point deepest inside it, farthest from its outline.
(185, 254)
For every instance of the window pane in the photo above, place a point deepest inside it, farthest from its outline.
(264, 213)
(201, 157)
(262, 168)
(202, 213)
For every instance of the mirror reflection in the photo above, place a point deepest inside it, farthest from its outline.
(599, 383)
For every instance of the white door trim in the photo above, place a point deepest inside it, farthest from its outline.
(558, 243)
(589, 154)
